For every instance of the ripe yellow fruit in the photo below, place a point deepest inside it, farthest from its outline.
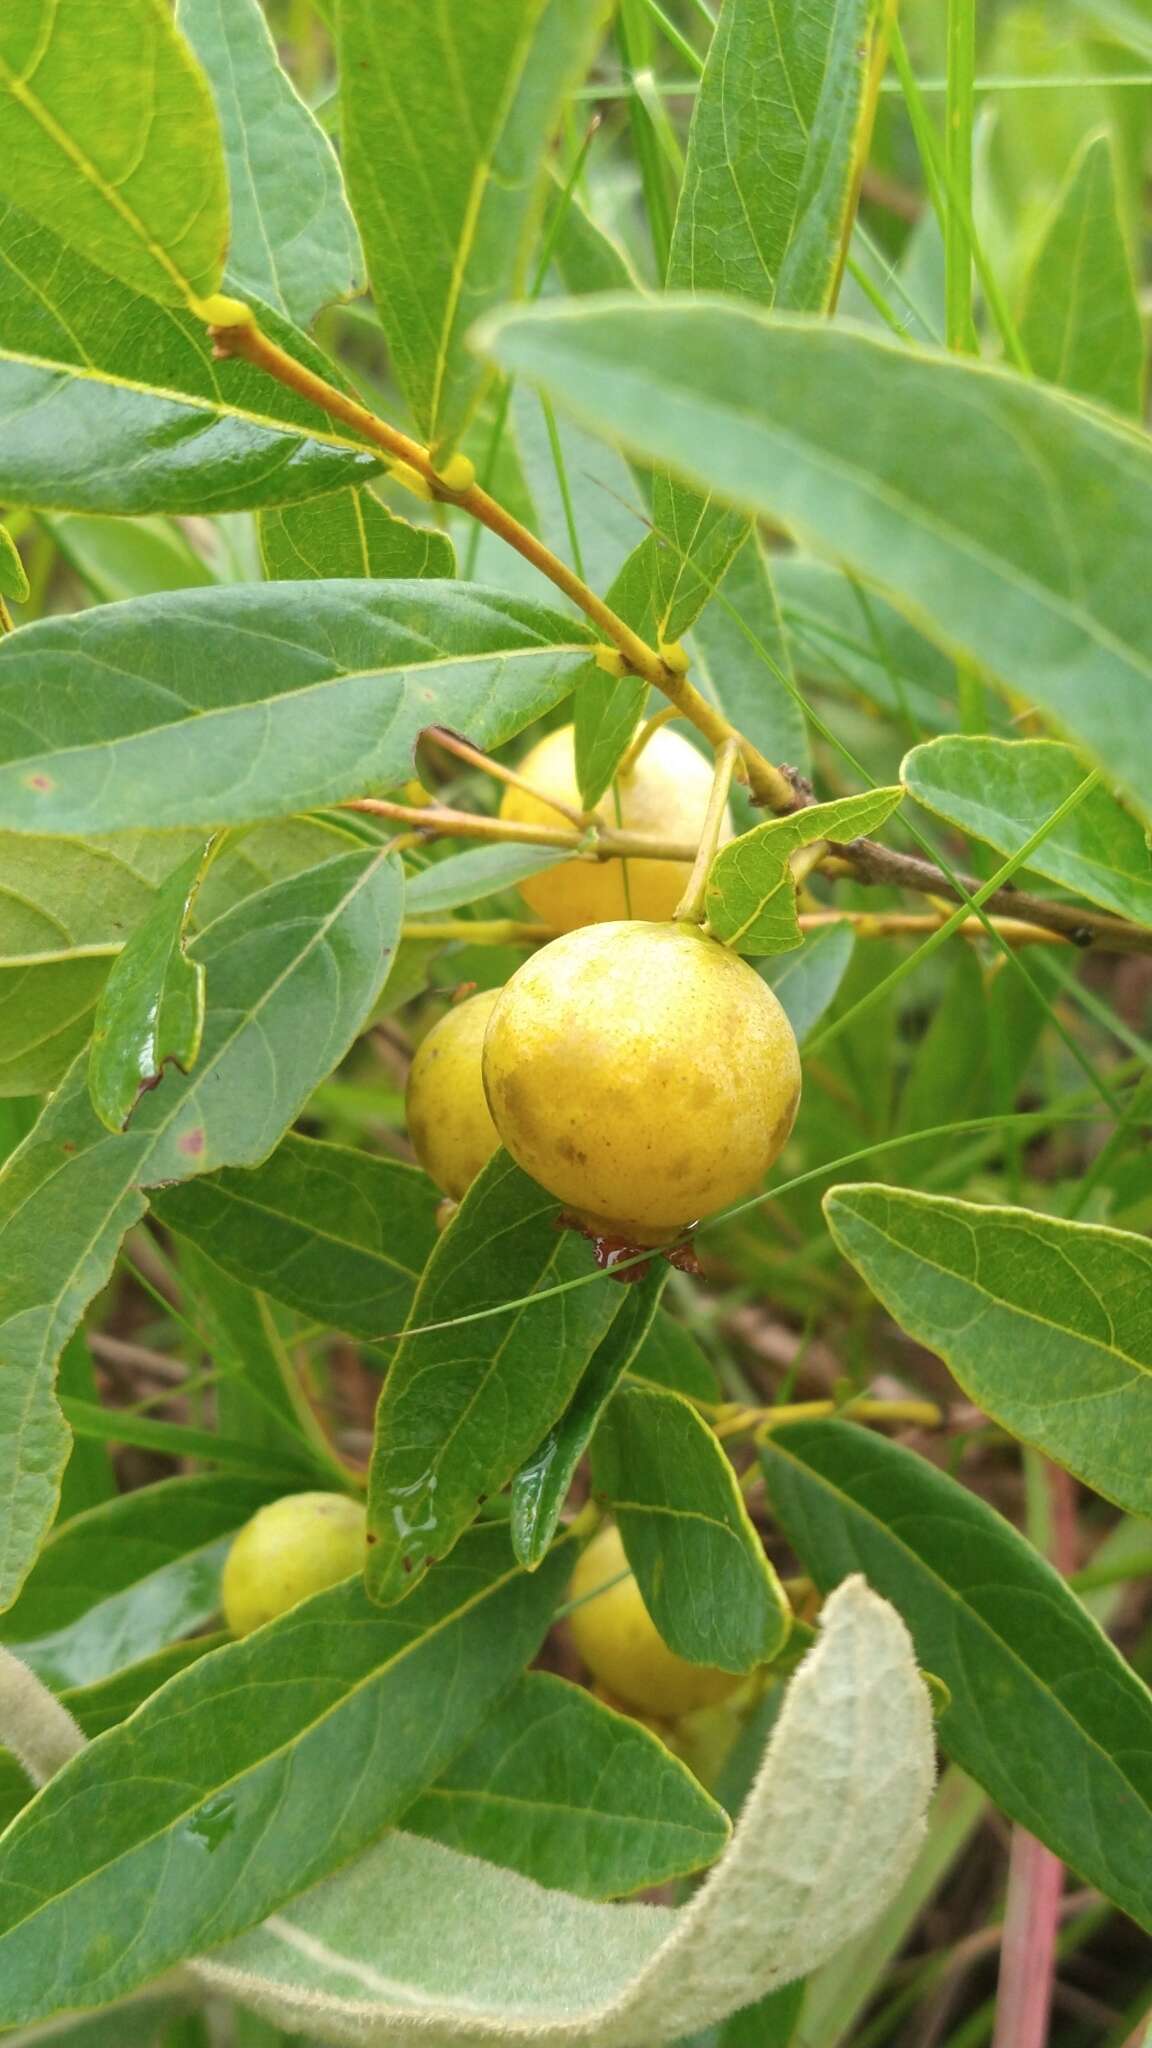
(292, 1548)
(449, 1121)
(643, 1074)
(666, 793)
(622, 1647)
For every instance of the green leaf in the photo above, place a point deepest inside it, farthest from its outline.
(130, 167)
(1081, 325)
(13, 580)
(849, 641)
(781, 117)
(1043, 1322)
(109, 403)
(117, 1584)
(225, 705)
(541, 1487)
(462, 1409)
(698, 1560)
(350, 533)
(568, 1792)
(217, 1798)
(445, 122)
(472, 876)
(294, 242)
(260, 1398)
(823, 429)
(751, 896)
(806, 982)
(45, 1017)
(342, 1236)
(415, 1924)
(118, 558)
(1002, 791)
(292, 974)
(179, 1440)
(151, 1008)
(88, 1478)
(67, 905)
(670, 1357)
(730, 669)
(1044, 1712)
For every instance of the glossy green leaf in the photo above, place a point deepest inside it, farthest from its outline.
(807, 981)
(573, 1795)
(824, 428)
(445, 122)
(261, 703)
(1043, 1322)
(462, 1409)
(751, 895)
(342, 1236)
(1044, 1712)
(472, 876)
(109, 403)
(781, 116)
(1081, 325)
(671, 1357)
(1002, 791)
(216, 1798)
(415, 1924)
(294, 242)
(698, 1560)
(151, 1008)
(540, 1488)
(742, 660)
(350, 533)
(13, 579)
(117, 1584)
(132, 170)
(292, 974)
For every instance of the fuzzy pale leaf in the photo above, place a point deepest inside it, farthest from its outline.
(416, 1946)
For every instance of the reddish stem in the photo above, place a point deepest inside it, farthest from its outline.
(1035, 1875)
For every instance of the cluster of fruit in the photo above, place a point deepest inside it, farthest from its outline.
(306, 1542)
(641, 1073)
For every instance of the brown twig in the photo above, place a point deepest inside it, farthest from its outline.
(867, 861)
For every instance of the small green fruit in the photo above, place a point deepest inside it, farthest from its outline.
(294, 1547)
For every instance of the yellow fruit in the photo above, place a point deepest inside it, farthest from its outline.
(292, 1548)
(641, 1073)
(449, 1122)
(622, 1646)
(666, 793)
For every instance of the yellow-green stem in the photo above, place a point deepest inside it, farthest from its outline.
(245, 339)
(690, 909)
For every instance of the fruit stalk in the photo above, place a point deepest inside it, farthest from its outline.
(690, 909)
